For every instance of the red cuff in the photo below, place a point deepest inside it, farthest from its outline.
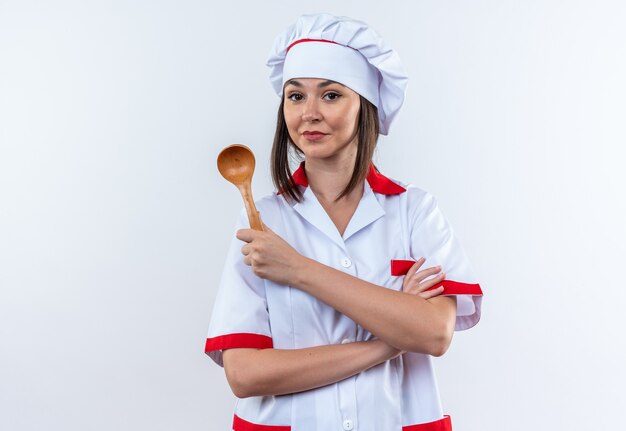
(243, 425)
(231, 341)
(444, 424)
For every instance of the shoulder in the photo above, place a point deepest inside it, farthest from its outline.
(271, 209)
(415, 198)
(269, 201)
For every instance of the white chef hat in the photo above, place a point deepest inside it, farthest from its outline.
(344, 50)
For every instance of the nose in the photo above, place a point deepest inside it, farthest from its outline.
(310, 110)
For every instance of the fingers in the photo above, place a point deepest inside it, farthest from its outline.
(247, 248)
(421, 275)
(249, 235)
(422, 282)
(255, 241)
(425, 285)
(431, 293)
(411, 283)
(245, 235)
(415, 267)
(413, 277)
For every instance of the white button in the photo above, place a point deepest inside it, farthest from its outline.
(346, 263)
(346, 341)
(348, 425)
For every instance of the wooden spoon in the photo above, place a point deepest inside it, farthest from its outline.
(236, 164)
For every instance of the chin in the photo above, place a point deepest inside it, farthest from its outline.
(318, 153)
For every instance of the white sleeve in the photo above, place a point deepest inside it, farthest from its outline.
(433, 238)
(240, 316)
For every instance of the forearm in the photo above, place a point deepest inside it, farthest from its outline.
(252, 372)
(407, 322)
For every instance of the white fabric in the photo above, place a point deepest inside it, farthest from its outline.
(397, 393)
(315, 59)
(391, 79)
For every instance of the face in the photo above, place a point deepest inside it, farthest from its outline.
(321, 117)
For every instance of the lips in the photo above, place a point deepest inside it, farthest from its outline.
(313, 135)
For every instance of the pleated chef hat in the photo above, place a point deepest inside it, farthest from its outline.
(344, 50)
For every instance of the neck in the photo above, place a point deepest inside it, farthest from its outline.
(328, 178)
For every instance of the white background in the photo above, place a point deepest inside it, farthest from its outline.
(114, 220)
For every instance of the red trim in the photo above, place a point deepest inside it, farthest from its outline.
(450, 287)
(381, 184)
(444, 424)
(401, 267)
(309, 40)
(230, 341)
(299, 176)
(243, 425)
(377, 181)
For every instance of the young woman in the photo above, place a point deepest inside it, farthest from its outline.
(330, 317)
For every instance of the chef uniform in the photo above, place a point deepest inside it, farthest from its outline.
(394, 224)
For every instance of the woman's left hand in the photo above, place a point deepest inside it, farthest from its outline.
(270, 256)
(415, 281)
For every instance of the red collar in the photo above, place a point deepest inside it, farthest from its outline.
(377, 181)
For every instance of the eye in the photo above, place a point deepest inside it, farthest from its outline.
(331, 95)
(295, 97)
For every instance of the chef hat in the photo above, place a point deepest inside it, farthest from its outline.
(344, 50)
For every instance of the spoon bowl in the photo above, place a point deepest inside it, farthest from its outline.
(236, 164)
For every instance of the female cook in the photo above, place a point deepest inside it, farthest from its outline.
(328, 319)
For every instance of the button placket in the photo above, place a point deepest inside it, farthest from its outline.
(346, 388)
(347, 403)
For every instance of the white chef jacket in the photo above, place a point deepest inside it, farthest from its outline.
(394, 225)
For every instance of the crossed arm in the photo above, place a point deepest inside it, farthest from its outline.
(413, 320)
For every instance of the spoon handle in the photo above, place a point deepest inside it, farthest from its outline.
(253, 214)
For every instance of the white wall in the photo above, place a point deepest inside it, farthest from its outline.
(114, 220)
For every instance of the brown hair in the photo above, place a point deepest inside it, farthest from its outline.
(367, 131)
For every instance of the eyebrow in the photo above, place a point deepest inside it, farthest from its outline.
(320, 85)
